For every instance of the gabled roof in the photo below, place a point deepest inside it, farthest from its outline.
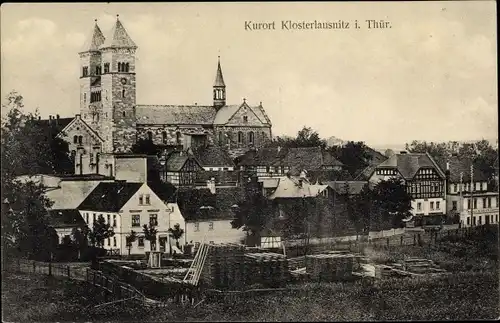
(78, 119)
(366, 173)
(65, 218)
(355, 187)
(175, 114)
(225, 113)
(408, 164)
(110, 197)
(177, 159)
(213, 155)
(94, 41)
(118, 38)
(219, 79)
(290, 187)
(52, 127)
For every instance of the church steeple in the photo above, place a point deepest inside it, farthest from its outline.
(118, 37)
(219, 88)
(94, 41)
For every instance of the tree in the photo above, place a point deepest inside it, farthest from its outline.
(393, 200)
(79, 239)
(101, 231)
(354, 155)
(150, 235)
(129, 239)
(176, 233)
(145, 146)
(306, 137)
(360, 208)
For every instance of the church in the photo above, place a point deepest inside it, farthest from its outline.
(111, 121)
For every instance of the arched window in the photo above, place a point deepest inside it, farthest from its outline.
(123, 93)
(75, 139)
(80, 140)
(178, 138)
(106, 67)
(119, 67)
(164, 136)
(240, 137)
(250, 137)
(215, 94)
(150, 136)
(126, 67)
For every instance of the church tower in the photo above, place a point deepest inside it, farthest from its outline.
(90, 79)
(118, 123)
(219, 89)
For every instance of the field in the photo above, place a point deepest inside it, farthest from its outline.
(469, 291)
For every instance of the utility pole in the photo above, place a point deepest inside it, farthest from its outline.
(472, 193)
(460, 190)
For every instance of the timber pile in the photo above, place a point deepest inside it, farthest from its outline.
(225, 267)
(329, 267)
(420, 266)
(266, 268)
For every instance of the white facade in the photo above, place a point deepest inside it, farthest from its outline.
(144, 207)
(215, 231)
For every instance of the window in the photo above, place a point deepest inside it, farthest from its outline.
(114, 241)
(196, 226)
(468, 220)
(468, 204)
(437, 205)
(85, 71)
(75, 139)
(210, 225)
(109, 242)
(153, 219)
(484, 203)
(84, 97)
(496, 218)
(250, 137)
(123, 114)
(93, 217)
(220, 137)
(87, 217)
(119, 66)
(109, 219)
(91, 155)
(106, 67)
(141, 199)
(114, 220)
(240, 137)
(455, 187)
(489, 202)
(479, 220)
(454, 203)
(432, 205)
(150, 136)
(164, 136)
(123, 93)
(136, 220)
(178, 138)
(478, 186)
(245, 119)
(80, 140)
(140, 242)
(147, 199)
(98, 70)
(475, 203)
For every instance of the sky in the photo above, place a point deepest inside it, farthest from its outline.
(431, 76)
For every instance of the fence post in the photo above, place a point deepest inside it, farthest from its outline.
(50, 268)
(401, 240)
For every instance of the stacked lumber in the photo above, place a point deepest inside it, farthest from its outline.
(225, 266)
(329, 267)
(420, 266)
(266, 268)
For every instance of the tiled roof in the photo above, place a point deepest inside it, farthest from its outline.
(196, 204)
(289, 187)
(339, 187)
(177, 159)
(175, 114)
(94, 41)
(219, 79)
(325, 175)
(213, 155)
(225, 113)
(165, 191)
(456, 166)
(328, 159)
(65, 218)
(118, 38)
(220, 177)
(409, 163)
(109, 197)
(377, 157)
(366, 173)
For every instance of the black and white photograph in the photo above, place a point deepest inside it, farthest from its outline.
(249, 161)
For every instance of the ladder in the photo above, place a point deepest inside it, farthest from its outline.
(196, 268)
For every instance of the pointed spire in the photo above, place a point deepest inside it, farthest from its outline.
(219, 79)
(95, 40)
(118, 37)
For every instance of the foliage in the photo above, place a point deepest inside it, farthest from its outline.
(393, 200)
(129, 239)
(150, 235)
(354, 155)
(306, 137)
(100, 232)
(145, 146)
(360, 209)
(176, 233)
(196, 203)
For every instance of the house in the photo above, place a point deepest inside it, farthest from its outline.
(424, 180)
(208, 215)
(64, 221)
(217, 165)
(465, 198)
(128, 206)
(278, 161)
(181, 168)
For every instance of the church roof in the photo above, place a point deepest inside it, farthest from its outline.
(213, 155)
(225, 113)
(118, 38)
(94, 41)
(175, 114)
(219, 79)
